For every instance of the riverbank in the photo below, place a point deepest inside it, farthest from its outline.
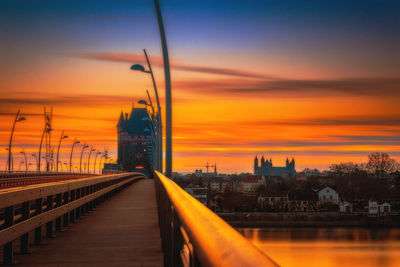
(308, 219)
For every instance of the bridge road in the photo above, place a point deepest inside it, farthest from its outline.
(123, 231)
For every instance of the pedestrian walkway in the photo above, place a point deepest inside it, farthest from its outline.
(123, 231)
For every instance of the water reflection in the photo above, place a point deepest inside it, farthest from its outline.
(328, 246)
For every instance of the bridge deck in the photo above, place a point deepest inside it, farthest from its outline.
(123, 231)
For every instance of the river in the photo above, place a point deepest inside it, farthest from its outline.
(325, 247)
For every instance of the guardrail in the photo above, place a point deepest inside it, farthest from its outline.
(193, 235)
(60, 203)
(35, 174)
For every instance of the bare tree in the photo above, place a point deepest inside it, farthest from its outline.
(345, 168)
(380, 164)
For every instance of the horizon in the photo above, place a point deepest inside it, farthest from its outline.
(314, 81)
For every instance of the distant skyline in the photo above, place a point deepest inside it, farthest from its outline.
(314, 80)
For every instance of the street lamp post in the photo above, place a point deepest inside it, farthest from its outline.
(70, 157)
(168, 97)
(46, 130)
(58, 149)
(26, 162)
(139, 67)
(95, 159)
(80, 162)
(101, 159)
(155, 145)
(17, 119)
(35, 156)
(20, 163)
(88, 161)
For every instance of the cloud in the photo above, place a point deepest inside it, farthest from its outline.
(295, 88)
(132, 58)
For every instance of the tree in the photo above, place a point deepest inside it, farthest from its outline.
(344, 168)
(380, 164)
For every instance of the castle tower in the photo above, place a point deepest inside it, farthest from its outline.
(287, 163)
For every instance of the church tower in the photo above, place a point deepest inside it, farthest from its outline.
(255, 165)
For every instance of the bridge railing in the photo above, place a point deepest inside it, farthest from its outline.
(193, 235)
(27, 209)
(22, 174)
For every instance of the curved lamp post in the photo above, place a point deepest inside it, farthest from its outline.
(95, 159)
(168, 97)
(156, 144)
(46, 130)
(10, 161)
(88, 161)
(20, 163)
(139, 67)
(35, 156)
(70, 157)
(26, 162)
(101, 159)
(58, 149)
(80, 162)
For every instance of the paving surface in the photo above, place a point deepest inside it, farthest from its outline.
(123, 231)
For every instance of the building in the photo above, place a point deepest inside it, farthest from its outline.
(250, 184)
(199, 193)
(267, 169)
(136, 141)
(273, 200)
(328, 195)
(345, 207)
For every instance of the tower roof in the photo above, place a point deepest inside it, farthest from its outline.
(139, 122)
(121, 121)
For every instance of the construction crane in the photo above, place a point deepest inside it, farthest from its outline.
(211, 166)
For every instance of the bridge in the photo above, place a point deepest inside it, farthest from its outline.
(121, 219)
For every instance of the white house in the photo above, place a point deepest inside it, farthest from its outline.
(328, 195)
(373, 207)
(345, 207)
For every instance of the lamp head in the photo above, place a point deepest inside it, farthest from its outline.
(21, 119)
(65, 136)
(137, 67)
(77, 142)
(144, 102)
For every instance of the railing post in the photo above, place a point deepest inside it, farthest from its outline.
(49, 225)
(77, 210)
(38, 230)
(8, 253)
(72, 212)
(58, 220)
(66, 200)
(24, 240)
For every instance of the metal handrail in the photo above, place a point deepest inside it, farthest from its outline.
(193, 235)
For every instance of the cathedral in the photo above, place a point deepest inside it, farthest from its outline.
(265, 168)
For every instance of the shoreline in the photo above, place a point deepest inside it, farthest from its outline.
(308, 219)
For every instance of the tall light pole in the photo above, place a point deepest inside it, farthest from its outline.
(17, 119)
(88, 161)
(139, 67)
(35, 156)
(101, 159)
(70, 157)
(168, 97)
(26, 162)
(95, 159)
(46, 130)
(80, 162)
(58, 149)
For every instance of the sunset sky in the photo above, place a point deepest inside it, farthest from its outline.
(315, 80)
